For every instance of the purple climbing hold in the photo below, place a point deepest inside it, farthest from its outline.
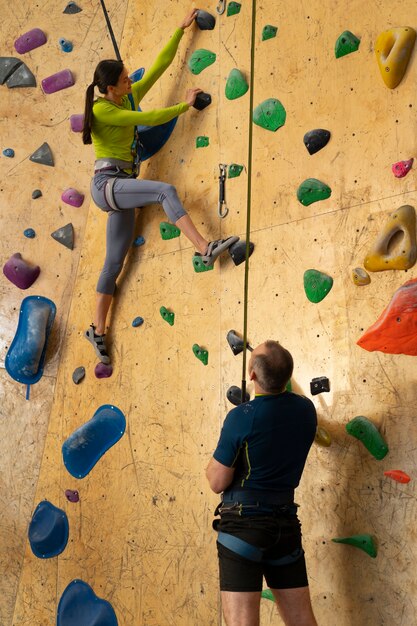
(30, 40)
(77, 122)
(102, 370)
(72, 496)
(58, 81)
(73, 197)
(29, 233)
(19, 272)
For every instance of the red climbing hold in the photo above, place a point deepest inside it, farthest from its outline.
(395, 331)
(398, 475)
(402, 168)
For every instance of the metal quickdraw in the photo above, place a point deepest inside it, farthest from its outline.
(221, 7)
(222, 191)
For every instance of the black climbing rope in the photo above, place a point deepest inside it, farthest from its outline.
(115, 46)
(248, 212)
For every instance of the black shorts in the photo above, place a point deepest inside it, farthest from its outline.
(279, 535)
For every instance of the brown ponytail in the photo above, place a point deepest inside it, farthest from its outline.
(88, 114)
(106, 73)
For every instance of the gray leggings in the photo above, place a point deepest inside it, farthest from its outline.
(128, 193)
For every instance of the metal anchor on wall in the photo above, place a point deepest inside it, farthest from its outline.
(223, 210)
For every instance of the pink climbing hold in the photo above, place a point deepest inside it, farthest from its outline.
(102, 370)
(71, 495)
(58, 81)
(77, 122)
(402, 168)
(30, 40)
(19, 272)
(73, 197)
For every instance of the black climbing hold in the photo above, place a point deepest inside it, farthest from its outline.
(319, 384)
(78, 374)
(238, 251)
(316, 139)
(65, 235)
(7, 66)
(236, 342)
(21, 77)
(234, 395)
(204, 20)
(36, 193)
(202, 101)
(43, 155)
(72, 8)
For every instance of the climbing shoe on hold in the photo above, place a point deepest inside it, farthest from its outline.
(98, 343)
(216, 248)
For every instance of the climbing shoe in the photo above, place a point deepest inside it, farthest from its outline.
(215, 249)
(98, 343)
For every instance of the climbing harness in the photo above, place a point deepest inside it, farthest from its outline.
(252, 553)
(221, 7)
(222, 191)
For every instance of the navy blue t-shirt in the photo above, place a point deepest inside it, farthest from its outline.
(267, 441)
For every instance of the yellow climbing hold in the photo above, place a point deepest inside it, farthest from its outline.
(390, 252)
(360, 277)
(322, 437)
(393, 49)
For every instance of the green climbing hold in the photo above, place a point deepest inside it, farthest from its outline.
(202, 355)
(267, 593)
(234, 170)
(313, 190)
(199, 265)
(168, 231)
(233, 8)
(200, 59)
(202, 142)
(363, 542)
(168, 316)
(364, 430)
(269, 32)
(270, 114)
(317, 285)
(236, 85)
(346, 43)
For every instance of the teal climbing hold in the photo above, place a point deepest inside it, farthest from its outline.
(8, 152)
(313, 190)
(202, 142)
(168, 316)
(200, 353)
(236, 85)
(317, 285)
(200, 59)
(267, 593)
(168, 231)
(234, 170)
(199, 265)
(346, 43)
(269, 32)
(364, 430)
(270, 114)
(364, 542)
(233, 8)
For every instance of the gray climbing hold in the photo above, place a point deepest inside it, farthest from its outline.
(72, 8)
(7, 66)
(21, 77)
(78, 374)
(204, 20)
(36, 193)
(43, 155)
(65, 235)
(8, 152)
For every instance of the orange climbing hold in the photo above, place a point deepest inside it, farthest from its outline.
(395, 331)
(393, 49)
(398, 475)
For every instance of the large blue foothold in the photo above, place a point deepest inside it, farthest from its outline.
(48, 530)
(87, 444)
(25, 357)
(79, 606)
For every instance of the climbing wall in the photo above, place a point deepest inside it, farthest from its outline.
(140, 534)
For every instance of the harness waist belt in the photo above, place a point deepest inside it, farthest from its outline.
(111, 164)
(252, 553)
(254, 496)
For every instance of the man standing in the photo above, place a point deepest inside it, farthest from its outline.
(257, 464)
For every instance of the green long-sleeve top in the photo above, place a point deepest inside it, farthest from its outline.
(112, 128)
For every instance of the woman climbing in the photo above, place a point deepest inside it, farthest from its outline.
(109, 124)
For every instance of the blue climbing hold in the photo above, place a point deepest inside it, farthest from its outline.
(8, 152)
(79, 606)
(65, 45)
(87, 444)
(137, 75)
(139, 241)
(29, 233)
(25, 357)
(48, 530)
(138, 321)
